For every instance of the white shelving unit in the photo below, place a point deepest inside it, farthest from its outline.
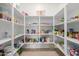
(18, 23)
(53, 29)
(38, 24)
(58, 31)
(70, 22)
(7, 25)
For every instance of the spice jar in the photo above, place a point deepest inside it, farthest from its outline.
(70, 34)
(72, 52)
(77, 36)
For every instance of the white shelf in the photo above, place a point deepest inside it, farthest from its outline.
(39, 25)
(59, 36)
(73, 40)
(19, 35)
(31, 17)
(46, 25)
(72, 21)
(32, 25)
(31, 34)
(59, 47)
(16, 49)
(2, 41)
(38, 34)
(62, 23)
(4, 20)
(18, 24)
(39, 43)
(46, 34)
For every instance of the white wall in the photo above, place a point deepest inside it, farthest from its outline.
(50, 8)
(5, 27)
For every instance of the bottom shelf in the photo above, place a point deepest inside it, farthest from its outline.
(60, 48)
(39, 43)
(35, 45)
(14, 50)
(72, 48)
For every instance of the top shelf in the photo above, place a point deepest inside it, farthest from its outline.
(39, 17)
(72, 12)
(6, 13)
(69, 22)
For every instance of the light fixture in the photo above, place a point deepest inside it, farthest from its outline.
(40, 11)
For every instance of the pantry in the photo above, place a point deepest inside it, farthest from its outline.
(51, 26)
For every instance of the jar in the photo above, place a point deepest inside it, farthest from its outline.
(72, 52)
(77, 36)
(70, 34)
(59, 32)
(73, 34)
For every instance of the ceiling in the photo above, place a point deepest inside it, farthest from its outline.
(50, 8)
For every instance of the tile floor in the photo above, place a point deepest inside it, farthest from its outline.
(39, 53)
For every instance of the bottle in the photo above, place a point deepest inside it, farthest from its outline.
(77, 36)
(70, 34)
(33, 31)
(75, 53)
(72, 52)
(45, 40)
(5, 35)
(1, 15)
(40, 39)
(78, 52)
(27, 31)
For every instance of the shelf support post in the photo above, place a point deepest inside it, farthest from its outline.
(65, 30)
(24, 29)
(12, 28)
(54, 29)
(39, 27)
